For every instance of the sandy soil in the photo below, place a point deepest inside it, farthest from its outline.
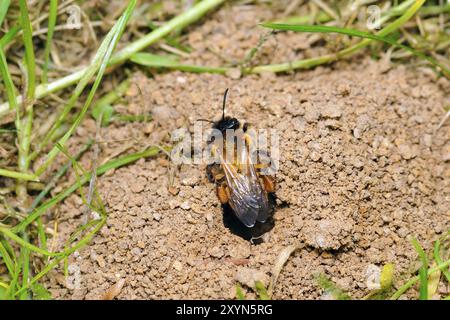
(361, 171)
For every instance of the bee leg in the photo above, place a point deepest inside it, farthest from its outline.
(209, 173)
(248, 139)
(222, 194)
(268, 183)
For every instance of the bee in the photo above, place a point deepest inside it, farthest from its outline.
(239, 182)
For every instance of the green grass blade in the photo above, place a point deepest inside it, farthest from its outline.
(329, 287)
(423, 275)
(239, 292)
(25, 261)
(40, 292)
(402, 19)
(387, 276)
(261, 290)
(11, 292)
(18, 175)
(354, 33)
(312, 62)
(24, 126)
(7, 259)
(7, 80)
(25, 244)
(62, 171)
(105, 53)
(41, 234)
(4, 6)
(53, 12)
(102, 108)
(29, 50)
(437, 258)
(414, 279)
(9, 36)
(156, 61)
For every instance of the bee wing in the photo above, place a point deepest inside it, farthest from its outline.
(247, 197)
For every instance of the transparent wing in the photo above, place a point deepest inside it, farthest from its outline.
(247, 197)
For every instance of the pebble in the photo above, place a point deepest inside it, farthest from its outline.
(181, 80)
(216, 252)
(185, 205)
(138, 185)
(177, 265)
(312, 115)
(315, 156)
(164, 113)
(407, 152)
(331, 111)
(248, 277)
(234, 73)
(373, 274)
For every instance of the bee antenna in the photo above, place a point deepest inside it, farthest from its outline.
(205, 120)
(224, 103)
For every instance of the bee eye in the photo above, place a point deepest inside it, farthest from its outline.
(245, 127)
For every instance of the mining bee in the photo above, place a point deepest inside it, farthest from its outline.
(240, 183)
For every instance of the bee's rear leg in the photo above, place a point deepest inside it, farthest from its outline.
(268, 183)
(222, 193)
(209, 173)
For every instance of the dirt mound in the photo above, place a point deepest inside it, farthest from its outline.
(361, 170)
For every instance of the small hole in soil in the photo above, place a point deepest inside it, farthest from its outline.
(253, 234)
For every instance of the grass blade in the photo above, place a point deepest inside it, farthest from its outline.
(25, 261)
(414, 279)
(104, 55)
(62, 171)
(156, 61)
(354, 33)
(9, 36)
(239, 292)
(29, 50)
(4, 6)
(7, 259)
(7, 80)
(309, 63)
(423, 275)
(437, 258)
(24, 127)
(433, 281)
(261, 290)
(329, 287)
(53, 12)
(18, 175)
(7, 232)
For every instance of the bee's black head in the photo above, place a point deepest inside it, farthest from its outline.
(227, 123)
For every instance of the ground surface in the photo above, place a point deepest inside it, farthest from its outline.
(361, 171)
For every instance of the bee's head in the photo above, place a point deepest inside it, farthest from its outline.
(227, 123)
